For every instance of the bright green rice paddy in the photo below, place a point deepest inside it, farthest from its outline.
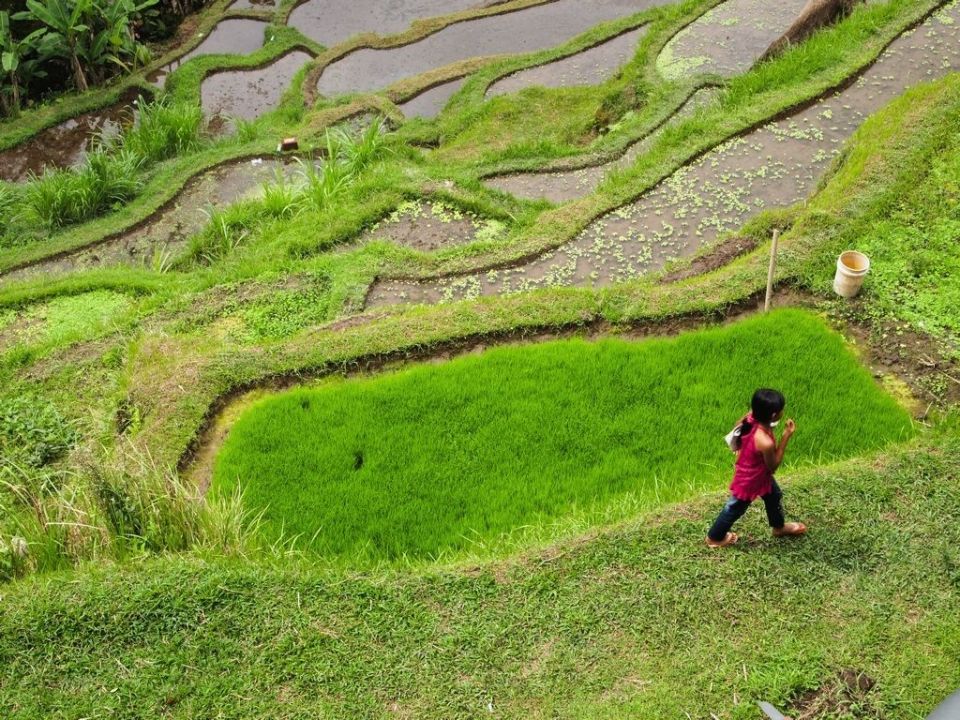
(443, 458)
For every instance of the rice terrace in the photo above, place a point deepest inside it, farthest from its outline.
(480, 359)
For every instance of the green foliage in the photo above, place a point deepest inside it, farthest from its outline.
(283, 313)
(437, 459)
(163, 129)
(106, 179)
(623, 623)
(33, 431)
(93, 35)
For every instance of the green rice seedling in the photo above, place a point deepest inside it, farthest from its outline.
(63, 197)
(227, 228)
(439, 459)
(161, 260)
(280, 197)
(163, 129)
(362, 151)
(321, 185)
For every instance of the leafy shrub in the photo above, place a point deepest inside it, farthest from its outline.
(33, 431)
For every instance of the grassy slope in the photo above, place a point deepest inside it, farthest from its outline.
(641, 621)
(458, 454)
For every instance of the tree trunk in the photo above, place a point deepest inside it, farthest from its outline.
(78, 76)
(815, 15)
(16, 93)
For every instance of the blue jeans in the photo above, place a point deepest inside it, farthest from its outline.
(735, 508)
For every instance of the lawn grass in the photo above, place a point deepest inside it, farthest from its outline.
(640, 621)
(442, 458)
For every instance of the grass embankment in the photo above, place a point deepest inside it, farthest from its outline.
(441, 458)
(638, 622)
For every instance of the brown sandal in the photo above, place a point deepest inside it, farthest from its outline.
(793, 529)
(730, 539)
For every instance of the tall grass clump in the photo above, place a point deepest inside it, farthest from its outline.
(106, 179)
(52, 518)
(163, 129)
(447, 458)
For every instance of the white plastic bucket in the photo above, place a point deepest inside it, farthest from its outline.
(852, 268)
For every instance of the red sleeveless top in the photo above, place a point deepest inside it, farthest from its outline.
(751, 476)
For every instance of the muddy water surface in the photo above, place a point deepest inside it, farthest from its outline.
(248, 94)
(520, 31)
(729, 39)
(591, 67)
(332, 21)
(167, 232)
(230, 37)
(66, 144)
(254, 5)
(428, 104)
(774, 166)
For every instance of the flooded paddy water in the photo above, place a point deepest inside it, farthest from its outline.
(565, 185)
(726, 41)
(248, 94)
(236, 36)
(519, 31)
(774, 166)
(331, 22)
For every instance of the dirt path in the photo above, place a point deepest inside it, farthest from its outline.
(774, 166)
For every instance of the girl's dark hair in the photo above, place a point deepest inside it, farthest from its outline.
(766, 403)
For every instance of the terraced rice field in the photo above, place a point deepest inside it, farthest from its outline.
(377, 362)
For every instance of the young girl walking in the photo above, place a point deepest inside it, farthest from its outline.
(758, 458)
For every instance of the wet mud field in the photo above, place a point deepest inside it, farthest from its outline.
(728, 39)
(165, 234)
(248, 94)
(333, 22)
(429, 103)
(590, 67)
(430, 225)
(774, 166)
(519, 31)
(66, 144)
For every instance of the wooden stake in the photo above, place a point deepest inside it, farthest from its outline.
(772, 270)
